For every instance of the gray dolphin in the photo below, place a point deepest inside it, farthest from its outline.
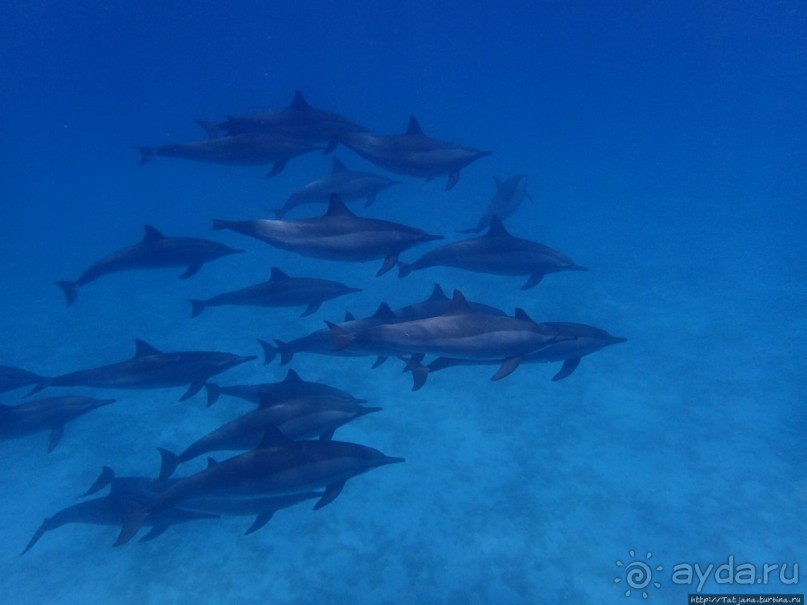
(337, 235)
(508, 197)
(584, 340)
(48, 414)
(280, 291)
(14, 378)
(298, 119)
(498, 253)
(460, 332)
(152, 369)
(412, 153)
(291, 387)
(347, 184)
(155, 251)
(301, 418)
(248, 149)
(280, 467)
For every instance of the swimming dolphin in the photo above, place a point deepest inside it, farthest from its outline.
(298, 119)
(281, 466)
(584, 340)
(498, 253)
(508, 197)
(14, 378)
(291, 387)
(412, 153)
(48, 414)
(301, 418)
(280, 291)
(155, 251)
(460, 332)
(347, 184)
(152, 369)
(248, 149)
(337, 235)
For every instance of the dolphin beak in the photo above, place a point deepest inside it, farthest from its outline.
(616, 340)
(246, 358)
(391, 460)
(363, 411)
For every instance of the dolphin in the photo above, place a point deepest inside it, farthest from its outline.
(347, 184)
(152, 369)
(14, 378)
(301, 418)
(337, 235)
(298, 119)
(584, 340)
(281, 466)
(460, 332)
(155, 251)
(412, 153)
(48, 414)
(248, 149)
(280, 291)
(291, 387)
(498, 253)
(508, 197)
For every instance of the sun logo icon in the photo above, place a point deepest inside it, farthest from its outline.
(638, 574)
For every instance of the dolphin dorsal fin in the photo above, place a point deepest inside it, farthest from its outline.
(459, 305)
(293, 377)
(299, 102)
(151, 235)
(522, 315)
(414, 127)
(384, 313)
(438, 293)
(337, 165)
(142, 348)
(337, 207)
(349, 316)
(276, 274)
(273, 436)
(497, 228)
(211, 462)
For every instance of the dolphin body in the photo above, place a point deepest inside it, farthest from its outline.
(152, 369)
(498, 253)
(438, 304)
(337, 235)
(48, 414)
(412, 153)
(508, 197)
(347, 184)
(302, 418)
(280, 291)
(280, 467)
(460, 333)
(584, 340)
(298, 119)
(155, 251)
(291, 387)
(248, 149)
(14, 378)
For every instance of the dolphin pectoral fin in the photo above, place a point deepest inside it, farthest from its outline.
(269, 352)
(55, 437)
(132, 522)
(331, 492)
(197, 306)
(378, 361)
(168, 463)
(104, 479)
(70, 290)
(191, 271)
(277, 168)
(452, 180)
(261, 520)
(46, 525)
(389, 262)
(569, 366)
(370, 199)
(193, 389)
(419, 372)
(311, 308)
(327, 435)
(213, 393)
(155, 532)
(404, 269)
(533, 281)
(508, 366)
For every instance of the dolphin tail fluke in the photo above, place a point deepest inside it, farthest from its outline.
(210, 128)
(146, 154)
(197, 306)
(70, 289)
(404, 269)
(213, 393)
(569, 366)
(169, 462)
(269, 352)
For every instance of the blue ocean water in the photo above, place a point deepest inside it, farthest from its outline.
(665, 148)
